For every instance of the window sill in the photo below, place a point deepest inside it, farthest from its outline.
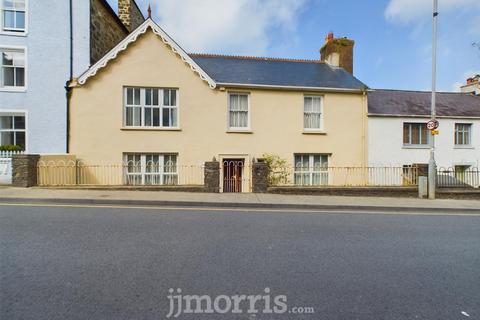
(13, 89)
(464, 147)
(246, 131)
(149, 129)
(319, 132)
(416, 147)
(14, 34)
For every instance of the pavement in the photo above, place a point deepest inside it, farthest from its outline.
(244, 200)
(69, 263)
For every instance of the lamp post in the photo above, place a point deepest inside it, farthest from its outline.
(432, 168)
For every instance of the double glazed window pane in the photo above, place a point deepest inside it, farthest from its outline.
(311, 169)
(151, 169)
(238, 111)
(13, 68)
(13, 15)
(12, 130)
(312, 117)
(415, 134)
(462, 134)
(156, 107)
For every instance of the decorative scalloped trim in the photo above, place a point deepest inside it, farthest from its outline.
(112, 54)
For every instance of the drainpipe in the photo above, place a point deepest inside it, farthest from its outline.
(67, 85)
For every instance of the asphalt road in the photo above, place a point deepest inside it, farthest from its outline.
(119, 263)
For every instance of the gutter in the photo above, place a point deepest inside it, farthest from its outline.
(293, 88)
(379, 115)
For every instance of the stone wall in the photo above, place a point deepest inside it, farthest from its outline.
(24, 170)
(212, 177)
(106, 29)
(408, 192)
(259, 177)
(130, 14)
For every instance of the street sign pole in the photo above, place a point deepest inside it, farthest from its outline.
(432, 168)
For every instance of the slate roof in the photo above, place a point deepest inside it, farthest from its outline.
(417, 103)
(253, 71)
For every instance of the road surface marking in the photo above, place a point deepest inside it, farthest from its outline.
(288, 210)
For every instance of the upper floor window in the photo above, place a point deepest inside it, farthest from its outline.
(149, 107)
(312, 113)
(463, 134)
(415, 134)
(238, 111)
(12, 68)
(12, 130)
(13, 15)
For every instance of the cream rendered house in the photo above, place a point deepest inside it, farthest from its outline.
(148, 101)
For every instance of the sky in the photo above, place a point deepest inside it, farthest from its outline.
(393, 38)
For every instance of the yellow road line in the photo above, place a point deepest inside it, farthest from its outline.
(291, 210)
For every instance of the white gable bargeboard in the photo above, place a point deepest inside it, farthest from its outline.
(132, 37)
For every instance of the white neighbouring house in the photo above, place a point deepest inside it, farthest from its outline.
(398, 136)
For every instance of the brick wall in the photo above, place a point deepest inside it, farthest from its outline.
(106, 29)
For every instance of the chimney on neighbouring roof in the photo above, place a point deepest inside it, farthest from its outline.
(472, 86)
(130, 14)
(338, 52)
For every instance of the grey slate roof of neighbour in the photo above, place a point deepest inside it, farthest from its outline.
(416, 103)
(275, 72)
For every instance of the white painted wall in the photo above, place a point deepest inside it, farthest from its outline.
(48, 68)
(385, 143)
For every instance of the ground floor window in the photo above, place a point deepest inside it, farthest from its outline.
(151, 169)
(311, 169)
(12, 131)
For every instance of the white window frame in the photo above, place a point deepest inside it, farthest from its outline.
(16, 113)
(161, 106)
(143, 173)
(311, 169)
(463, 132)
(249, 111)
(12, 32)
(322, 114)
(14, 88)
(410, 144)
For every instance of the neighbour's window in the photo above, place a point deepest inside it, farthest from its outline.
(12, 131)
(311, 169)
(13, 15)
(12, 68)
(463, 134)
(149, 107)
(312, 113)
(415, 134)
(151, 169)
(238, 111)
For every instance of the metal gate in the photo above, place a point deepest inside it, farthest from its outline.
(6, 166)
(233, 175)
(5, 170)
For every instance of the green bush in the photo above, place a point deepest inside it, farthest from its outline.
(10, 147)
(278, 169)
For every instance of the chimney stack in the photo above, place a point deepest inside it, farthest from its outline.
(472, 86)
(338, 52)
(130, 14)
